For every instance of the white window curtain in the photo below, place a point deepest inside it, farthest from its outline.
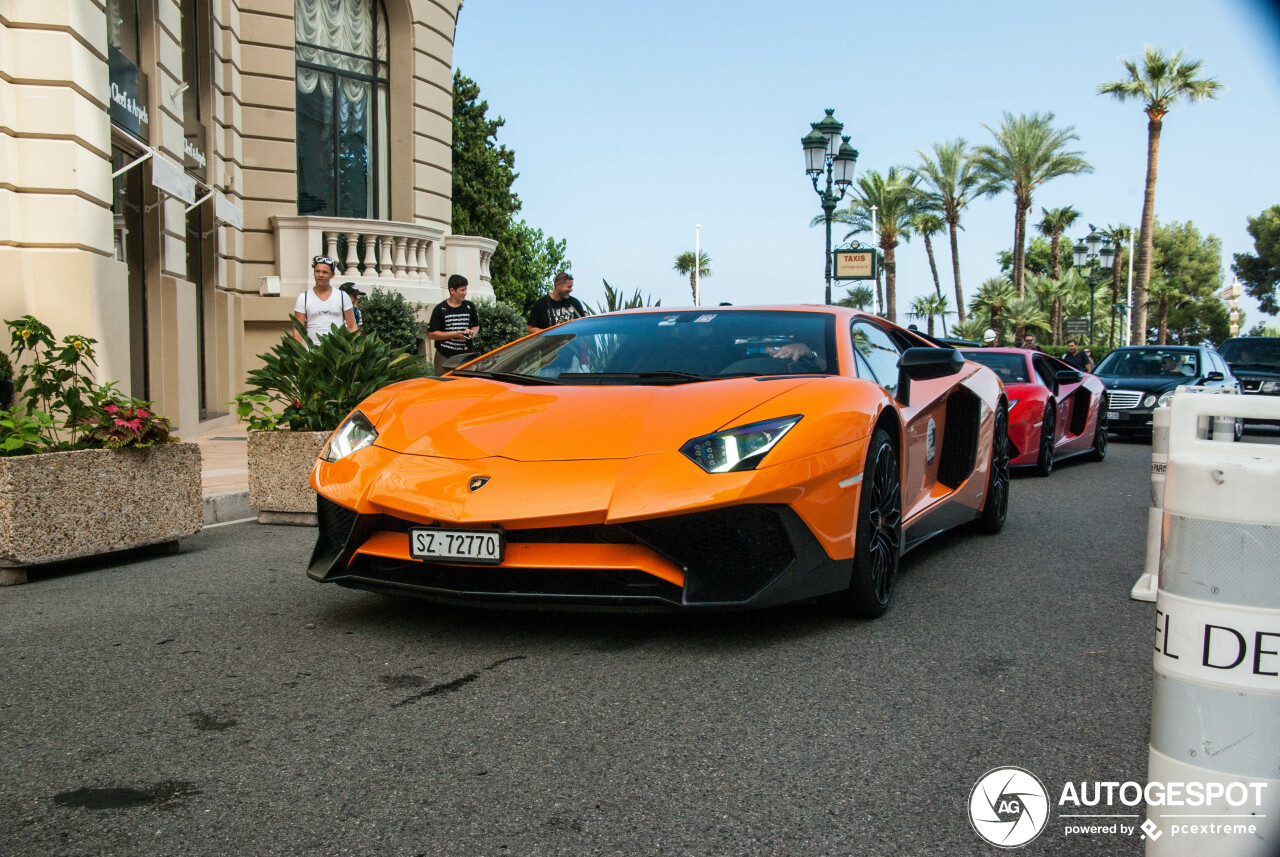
(321, 27)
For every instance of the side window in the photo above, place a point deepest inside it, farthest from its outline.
(877, 349)
(1045, 371)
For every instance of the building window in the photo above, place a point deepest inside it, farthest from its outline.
(342, 72)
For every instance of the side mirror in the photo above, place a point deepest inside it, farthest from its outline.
(1068, 376)
(1215, 376)
(922, 364)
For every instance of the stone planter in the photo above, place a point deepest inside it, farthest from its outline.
(62, 505)
(280, 464)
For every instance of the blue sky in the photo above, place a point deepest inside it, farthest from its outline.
(631, 122)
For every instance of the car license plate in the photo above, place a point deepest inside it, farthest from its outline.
(1113, 415)
(456, 545)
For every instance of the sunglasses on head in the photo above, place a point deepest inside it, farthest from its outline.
(325, 259)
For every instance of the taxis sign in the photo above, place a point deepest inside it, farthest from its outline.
(855, 264)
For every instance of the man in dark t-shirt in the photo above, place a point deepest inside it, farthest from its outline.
(1075, 358)
(556, 307)
(453, 323)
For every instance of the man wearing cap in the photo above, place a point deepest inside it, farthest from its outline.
(355, 295)
(989, 338)
(453, 323)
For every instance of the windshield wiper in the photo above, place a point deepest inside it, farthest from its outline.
(658, 375)
(509, 377)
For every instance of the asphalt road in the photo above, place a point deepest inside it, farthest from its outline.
(218, 702)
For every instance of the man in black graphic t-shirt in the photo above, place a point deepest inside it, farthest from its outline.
(556, 307)
(453, 323)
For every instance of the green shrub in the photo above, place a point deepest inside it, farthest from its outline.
(500, 323)
(316, 387)
(62, 407)
(6, 368)
(393, 318)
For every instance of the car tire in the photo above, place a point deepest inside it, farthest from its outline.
(877, 548)
(1098, 452)
(996, 506)
(1044, 462)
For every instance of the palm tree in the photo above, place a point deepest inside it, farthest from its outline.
(1052, 293)
(615, 300)
(1165, 295)
(992, 297)
(857, 297)
(971, 329)
(684, 265)
(1023, 313)
(1160, 82)
(927, 306)
(1028, 151)
(896, 199)
(954, 182)
(927, 224)
(1055, 222)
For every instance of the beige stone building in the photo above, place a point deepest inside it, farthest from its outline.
(168, 168)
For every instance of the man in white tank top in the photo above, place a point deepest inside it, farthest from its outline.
(322, 306)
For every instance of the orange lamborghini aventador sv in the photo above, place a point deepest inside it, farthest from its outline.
(683, 458)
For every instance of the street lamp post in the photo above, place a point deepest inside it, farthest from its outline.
(1087, 252)
(826, 151)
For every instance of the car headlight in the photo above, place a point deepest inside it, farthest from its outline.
(740, 448)
(1164, 399)
(1149, 401)
(1271, 386)
(356, 432)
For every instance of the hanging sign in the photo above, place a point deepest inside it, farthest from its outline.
(855, 264)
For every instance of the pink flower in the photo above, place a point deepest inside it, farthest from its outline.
(110, 407)
(142, 412)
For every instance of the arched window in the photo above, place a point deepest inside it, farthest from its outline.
(342, 72)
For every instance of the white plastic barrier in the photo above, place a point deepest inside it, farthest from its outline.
(1145, 588)
(1215, 711)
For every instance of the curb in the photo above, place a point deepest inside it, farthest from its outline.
(231, 506)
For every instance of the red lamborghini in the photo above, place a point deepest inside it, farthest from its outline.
(1045, 392)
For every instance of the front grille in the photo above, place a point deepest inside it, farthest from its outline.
(582, 584)
(729, 554)
(1121, 399)
(334, 521)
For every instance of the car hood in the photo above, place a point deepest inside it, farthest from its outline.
(1255, 370)
(1153, 384)
(472, 418)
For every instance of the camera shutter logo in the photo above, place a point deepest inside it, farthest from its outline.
(1009, 807)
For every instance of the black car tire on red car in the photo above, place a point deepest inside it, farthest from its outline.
(878, 540)
(1099, 450)
(1044, 464)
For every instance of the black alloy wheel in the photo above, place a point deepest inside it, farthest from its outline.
(1044, 462)
(878, 540)
(996, 507)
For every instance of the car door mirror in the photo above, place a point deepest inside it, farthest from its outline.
(922, 364)
(1068, 376)
(1215, 376)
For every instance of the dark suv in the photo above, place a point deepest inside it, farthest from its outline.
(1140, 378)
(1255, 360)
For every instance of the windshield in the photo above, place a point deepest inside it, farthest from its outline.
(669, 347)
(1012, 368)
(1252, 352)
(1150, 363)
